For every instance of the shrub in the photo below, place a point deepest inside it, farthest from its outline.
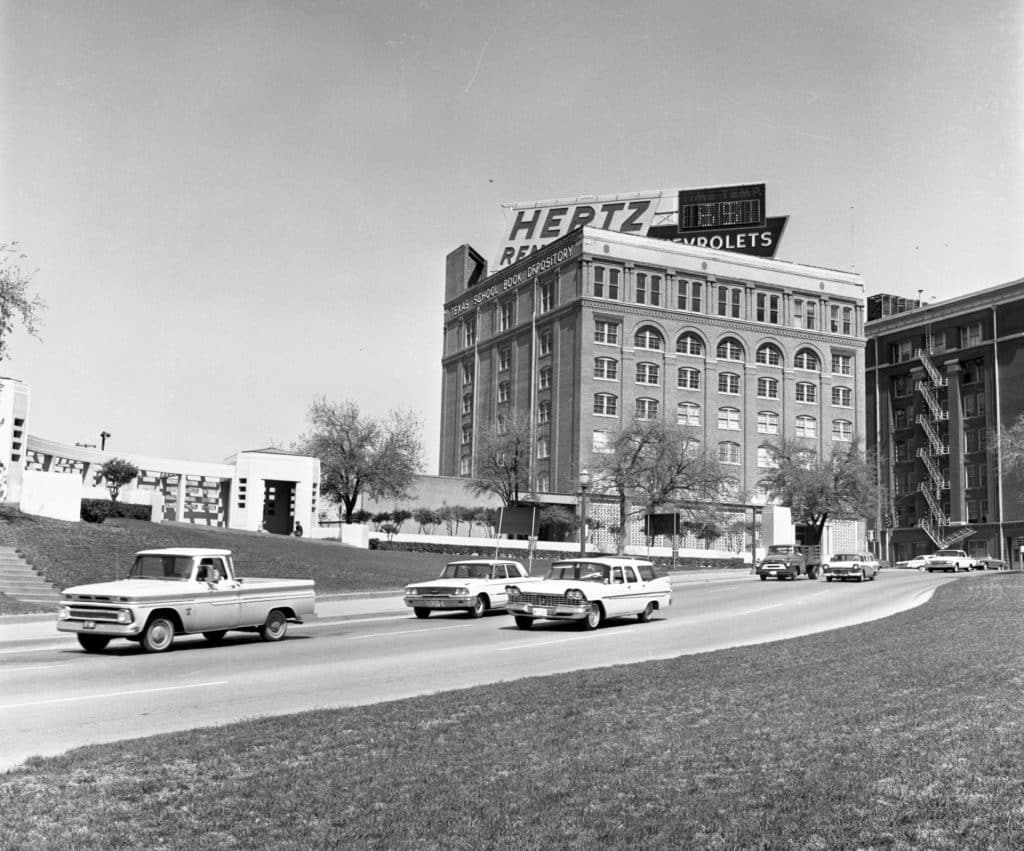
(96, 510)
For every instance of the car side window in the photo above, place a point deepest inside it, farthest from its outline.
(630, 575)
(499, 571)
(616, 576)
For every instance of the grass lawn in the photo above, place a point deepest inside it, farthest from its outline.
(75, 553)
(904, 733)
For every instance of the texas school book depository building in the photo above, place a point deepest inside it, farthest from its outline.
(663, 305)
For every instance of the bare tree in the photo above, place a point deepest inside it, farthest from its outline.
(17, 304)
(362, 455)
(502, 459)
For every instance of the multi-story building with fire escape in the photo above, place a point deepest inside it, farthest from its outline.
(942, 379)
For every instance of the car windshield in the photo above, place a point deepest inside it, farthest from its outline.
(172, 568)
(584, 571)
(782, 549)
(847, 557)
(463, 570)
(948, 553)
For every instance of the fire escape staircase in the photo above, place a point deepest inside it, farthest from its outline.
(934, 524)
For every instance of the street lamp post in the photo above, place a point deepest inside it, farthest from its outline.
(103, 439)
(584, 485)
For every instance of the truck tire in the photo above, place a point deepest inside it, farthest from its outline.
(595, 616)
(523, 622)
(421, 612)
(764, 578)
(216, 636)
(274, 627)
(646, 615)
(479, 607)
(814, 571)
(93, 643)
(159, 635)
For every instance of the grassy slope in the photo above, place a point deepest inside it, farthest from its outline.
(903, 733)
(75, 553)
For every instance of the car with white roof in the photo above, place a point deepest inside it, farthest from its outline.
(471, 585)
(860, 566)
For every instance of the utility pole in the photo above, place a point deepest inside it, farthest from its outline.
(103, 439)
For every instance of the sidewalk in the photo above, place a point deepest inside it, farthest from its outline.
(25, 632)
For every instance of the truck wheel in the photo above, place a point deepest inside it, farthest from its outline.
(420, 612)
(828, 578)
(523, 622)
(479, 607)
(159, 635)
(216, 636)
(594, 616)
(93, 643)
(646, 615)
(274, 627)
(764, 578)
(814, 571)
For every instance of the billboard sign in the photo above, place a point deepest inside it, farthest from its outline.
(728, 218)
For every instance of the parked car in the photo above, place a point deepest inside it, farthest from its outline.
(950, 560)
(860, 566)
(474, 585)
(591, 590)
(919, 562)
(989, 563)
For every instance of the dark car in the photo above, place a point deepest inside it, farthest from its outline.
(989, 563)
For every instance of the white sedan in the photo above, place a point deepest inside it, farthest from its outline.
(473, 585)
(860, 566)
(915, 563)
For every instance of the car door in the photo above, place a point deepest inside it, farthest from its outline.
(218, 605)
(496, 585)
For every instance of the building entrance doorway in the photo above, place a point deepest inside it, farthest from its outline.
(278, 506)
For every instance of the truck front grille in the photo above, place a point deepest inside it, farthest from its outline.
(88, 613)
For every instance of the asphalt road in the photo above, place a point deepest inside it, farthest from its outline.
(54, 696)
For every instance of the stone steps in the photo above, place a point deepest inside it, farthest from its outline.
(20, 581)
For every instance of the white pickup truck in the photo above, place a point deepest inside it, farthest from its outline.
(178, 591)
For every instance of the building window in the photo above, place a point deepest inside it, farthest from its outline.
(648, 289)
(977, 512)
(842, 364)
(901, 385)
(806, 391)
(767, 422)
(469, 332)
(687, 413)
(729, 299)
(766, 457)
(974, 404)
(606, 283)
(467, 435)
(842, 397)
(729, 419)
(506, 315)
(729, 452)
(467, 403)
(806, 426)
(504, 391)
(467, 373)
(601, 442)
(543, 483)
(544, 411)
(688, 297)
(606, 332)
(729, 349)
(729, 382)
(970, 335)
(902, 450)
(648, 338)
(806, 359)
(842, 430)
(689, 379)
(646, 409)
(902, 351)
(768, 388)
(504, 358)
(606, 404)
(647, 373)
(900, 418)
(769, 355)
(544, 342)
(543, 448)
(544, 378)
(767, 308)
(606, 368)
(689, 344)
(971, 373)
(847, 321)
(547, 296)
(811, 320)
(464, 465)
(974, 475)
(974, 440)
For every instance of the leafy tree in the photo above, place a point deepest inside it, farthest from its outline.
(466, 515)
(399, 516)
(840, 485)
(428, 519)
(380, 518)
(502, 459)
(1009, 443)
(117, 472)
(449, 515)
(487, 519)
(654, 465)
(16, 303)
(361, 516)
(362, 455)
(555, 522)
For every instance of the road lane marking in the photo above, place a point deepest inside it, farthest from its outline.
(36, 668)
(590, 636)
(404, 632)
(109, 694)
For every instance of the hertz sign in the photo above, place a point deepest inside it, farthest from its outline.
(728, 218)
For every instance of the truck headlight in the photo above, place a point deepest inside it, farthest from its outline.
(512, 590)
(574, 595)
(124, 616)
(461, 592)
(63, 612)
(411, 592)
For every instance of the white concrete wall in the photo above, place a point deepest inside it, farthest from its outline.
(51, 495)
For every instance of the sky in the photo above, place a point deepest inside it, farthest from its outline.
(234, 208)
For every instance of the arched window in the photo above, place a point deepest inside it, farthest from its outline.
(806, 359)
(729, 418)
(769, 355)
(648, 337)
(767, 422)
(544, 411)
(766, 457)
(768, 388)
(842, 397)
(729, 349)
(607, 368)
(646, 409)
(729, 452)
(728, 382)
(689, 344)
(806, 426)
(842, 430)
(467, 403)
(689, 379)
(806, 391)
(648, 373)
(606, 404)
(688, 413)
